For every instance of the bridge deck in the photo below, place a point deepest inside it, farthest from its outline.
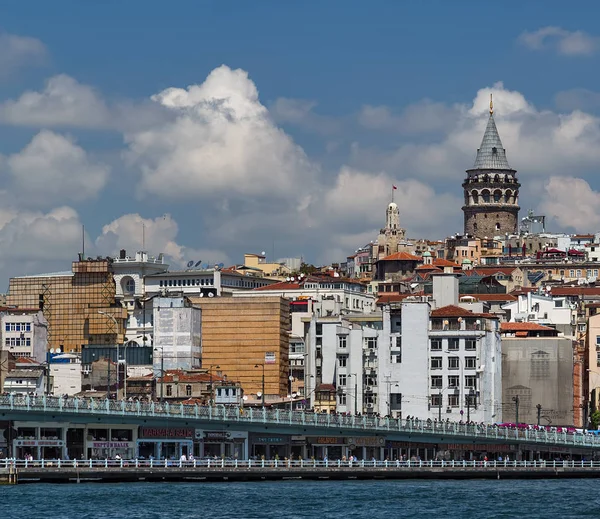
(23, 408)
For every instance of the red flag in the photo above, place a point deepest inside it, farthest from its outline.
(394, 187)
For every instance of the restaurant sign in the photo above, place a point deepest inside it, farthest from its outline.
(166, 432)
(111, 445)
(367, 441)
(328, 440)
(39, 443)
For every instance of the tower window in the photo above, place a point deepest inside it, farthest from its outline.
(485, 195)
(497, 226)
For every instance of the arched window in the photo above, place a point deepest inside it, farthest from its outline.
(128, 284)
(497, 226)
(497, 195)
(475, 227)
(475, 197)
(485, 195)
(496, 178)
(507, 196)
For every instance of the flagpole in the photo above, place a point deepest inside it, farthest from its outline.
(392, 194)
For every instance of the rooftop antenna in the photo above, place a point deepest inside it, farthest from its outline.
(83, 241)
(491, 104)
(143, 235)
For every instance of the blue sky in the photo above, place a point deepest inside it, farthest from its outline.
(311, 110)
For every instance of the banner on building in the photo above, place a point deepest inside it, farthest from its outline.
(270, 357)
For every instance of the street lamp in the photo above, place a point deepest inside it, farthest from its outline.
(515, 399)
(110, 359)
(162, 370)
(211, 381)
(539, 413)
(263, 382)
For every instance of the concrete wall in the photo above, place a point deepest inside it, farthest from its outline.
(539, 371)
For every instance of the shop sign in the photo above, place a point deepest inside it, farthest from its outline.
(166, 432)
(477, 447)
(298, 439)
(110, 445)
(367, 441)
(328, 440)
(39, 443)
(269, 439)
(216, 435)
(407, 445)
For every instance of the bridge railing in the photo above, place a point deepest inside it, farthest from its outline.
(362, 424)
(220, 463)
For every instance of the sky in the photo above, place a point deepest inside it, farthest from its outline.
(205, 130)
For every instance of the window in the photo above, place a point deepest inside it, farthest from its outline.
(470, 344)
(371, 342)
(436, 362)
(453, 400)
(571, 273)
(27, 327)
(342, 360)
(342, 398)
(342, 341)
(188, 390)
(7, 327)
(319, 329)
(453, 381)
(558, 303)
(341, 380)
(453, 343)
(578, 273)
(470, 362)
(436, 382)
(453, 363)
(169, 390)
(396, 357)
(436, 344)
(436, 400)
(597, 340)
(470, 381)
(130, 286)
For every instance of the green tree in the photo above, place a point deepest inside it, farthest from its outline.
(595, 419)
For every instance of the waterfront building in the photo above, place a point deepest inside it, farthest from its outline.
(65, 374)
(79, 306)
(24, 332)
(247, 339)
(491, 189)
(177, 334)
(537, 370)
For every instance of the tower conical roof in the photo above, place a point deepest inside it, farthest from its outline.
(491, 154)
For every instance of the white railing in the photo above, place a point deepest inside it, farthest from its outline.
(365, 424)
(219, 463)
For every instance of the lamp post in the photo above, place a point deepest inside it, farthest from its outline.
(110, 356)
(211, 381)
(263, 382)
(162, 370)
(539, 413)
(516, 401)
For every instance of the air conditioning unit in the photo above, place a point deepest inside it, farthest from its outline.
(448, 409)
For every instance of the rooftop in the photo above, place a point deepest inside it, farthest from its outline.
(401, 256)
(458, 311)
(491, 154)
(524, 327)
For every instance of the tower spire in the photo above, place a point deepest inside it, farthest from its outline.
(491, 104)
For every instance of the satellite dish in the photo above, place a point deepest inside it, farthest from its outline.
(190, 264)
(51, 350)
(245, 397)
(262, 253)
(259, 394)
(197, 263)
(293, 279)
(221, 265)
(210, 294)
(201, 294)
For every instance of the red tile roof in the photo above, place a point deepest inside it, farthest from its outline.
(429, 267)
(492, 297)
(490, 271)
(524, 327)
(575, 291)
(445, 263)
(284, 285)
(401, 256)
(457, 311)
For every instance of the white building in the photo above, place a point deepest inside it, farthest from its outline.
(25, 333)
(177, 334)
(25, 382)
(65, 374)
(543, 309)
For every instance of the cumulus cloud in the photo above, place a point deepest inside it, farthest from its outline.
(564, 42)
(52, 169)
(133, 232)
(63, 102)
(577, 99)
(572, 203)
(301, 113)
(18, 51)
(221, 142)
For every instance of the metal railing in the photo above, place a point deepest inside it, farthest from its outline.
(363, 424)
(220, 463)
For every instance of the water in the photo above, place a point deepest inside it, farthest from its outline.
(305, 499)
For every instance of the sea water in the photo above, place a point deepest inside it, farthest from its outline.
(437, 499)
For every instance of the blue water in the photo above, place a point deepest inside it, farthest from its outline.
(302, 499)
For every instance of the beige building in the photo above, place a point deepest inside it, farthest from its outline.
(259, 263)
(79, 305)
(243, 332)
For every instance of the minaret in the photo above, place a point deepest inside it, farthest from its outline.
(491, 189)
(392, 234)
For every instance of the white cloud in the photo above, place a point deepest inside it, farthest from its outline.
(63, 102)
(53, 169)
(566, 43)
(572, 203)
(300, 113)
(577, 99)
(222, 142)
(18, 51)
(132, 232)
